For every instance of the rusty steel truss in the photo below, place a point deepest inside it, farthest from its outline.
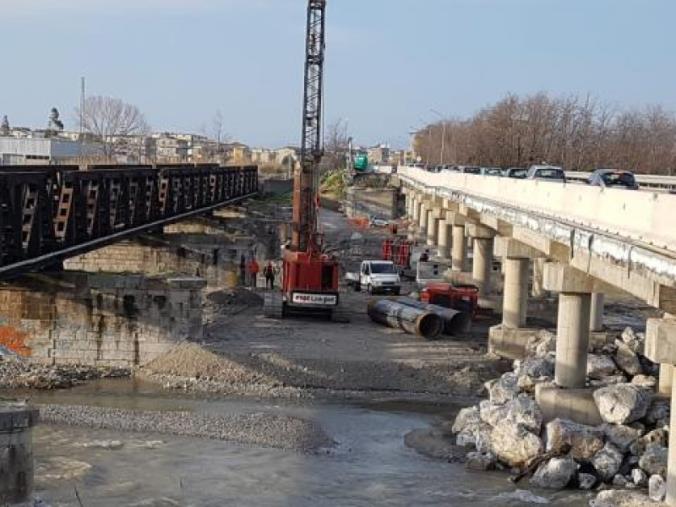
(49, 213)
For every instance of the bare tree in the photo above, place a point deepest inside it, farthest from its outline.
(336, 142)
(111, 120)
(578, 133)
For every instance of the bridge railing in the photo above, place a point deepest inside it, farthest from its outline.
(647, 217)
(52, 211)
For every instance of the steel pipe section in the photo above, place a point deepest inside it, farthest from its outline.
(455, 322)
(412, 320)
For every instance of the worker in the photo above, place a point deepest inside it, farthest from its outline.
(425, 256)
(242, 270)
(269, 272)
(253, 269)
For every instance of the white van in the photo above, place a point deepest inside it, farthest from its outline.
(379, 276)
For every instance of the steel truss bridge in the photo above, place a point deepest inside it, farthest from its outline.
(49, 213)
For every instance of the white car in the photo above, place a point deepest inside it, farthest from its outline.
(379, 276)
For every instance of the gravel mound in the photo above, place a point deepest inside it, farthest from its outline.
(191, 361)
(259, 429)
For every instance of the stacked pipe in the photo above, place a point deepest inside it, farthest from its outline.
(455, 322)
(408, 318)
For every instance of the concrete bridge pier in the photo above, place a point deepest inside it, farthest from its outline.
(597, 309)
(538, 290)
(570, 399)
(434, 217)
(511, 337)
(660, 347)
(482, 262)
(16, 452)
(423, 217)
(444, 236)
(415, 209)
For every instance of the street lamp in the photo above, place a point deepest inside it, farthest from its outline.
(443, 135)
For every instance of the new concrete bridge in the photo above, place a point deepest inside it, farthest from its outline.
(579, 241)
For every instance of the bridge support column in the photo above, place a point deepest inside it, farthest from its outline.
(597, 308)
(660, 347)
(511, 338)
(482, 262)
(458, 249)
(443, 239)
(434, 216)
(538, 290)
(422, 220)
(16, 452)
(415, 209)
(572, 339)
(570, 399)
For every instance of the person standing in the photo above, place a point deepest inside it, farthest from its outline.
(254, 268)
(242, 270)
(269, 273)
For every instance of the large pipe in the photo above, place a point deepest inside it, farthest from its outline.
(412, 320)
(455, 322)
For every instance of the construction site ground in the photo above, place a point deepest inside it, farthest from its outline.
(299, 357)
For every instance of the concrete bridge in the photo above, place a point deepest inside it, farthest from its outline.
(579, 241)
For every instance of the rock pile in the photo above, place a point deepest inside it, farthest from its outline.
(17, 373)
(627, 451)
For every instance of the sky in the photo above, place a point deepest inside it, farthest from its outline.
(389, 62)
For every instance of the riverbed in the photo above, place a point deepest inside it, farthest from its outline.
(369, 464)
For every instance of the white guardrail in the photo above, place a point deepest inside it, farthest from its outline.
(647, 217)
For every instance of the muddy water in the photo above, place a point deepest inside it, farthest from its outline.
(369, 466)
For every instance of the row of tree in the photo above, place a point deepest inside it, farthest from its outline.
(579, 133)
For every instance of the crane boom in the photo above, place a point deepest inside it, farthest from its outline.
(306, 180)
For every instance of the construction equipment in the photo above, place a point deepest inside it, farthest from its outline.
(310, 277)
(463, 298)
(397, 250)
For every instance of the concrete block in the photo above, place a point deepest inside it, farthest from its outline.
(510, 343)
(574, 404)
(562, 278)
(660, 341)
(511, 248)
(477, 231)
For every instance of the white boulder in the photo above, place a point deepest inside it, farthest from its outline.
(622, 403)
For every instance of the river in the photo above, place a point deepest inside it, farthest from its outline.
(370, 464)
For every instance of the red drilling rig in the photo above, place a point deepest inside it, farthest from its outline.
(310, 277)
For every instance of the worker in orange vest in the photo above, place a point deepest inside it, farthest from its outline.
(253, 269)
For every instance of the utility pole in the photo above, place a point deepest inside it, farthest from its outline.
(443, 135)
(82, 106)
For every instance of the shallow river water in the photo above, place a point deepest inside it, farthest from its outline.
(369, 466)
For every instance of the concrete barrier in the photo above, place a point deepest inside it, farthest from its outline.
(16, 452)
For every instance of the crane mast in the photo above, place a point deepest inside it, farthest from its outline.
(304, 228)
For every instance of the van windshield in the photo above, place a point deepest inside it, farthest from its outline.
(383, 269)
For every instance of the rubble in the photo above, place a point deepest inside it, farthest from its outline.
(19, 373)
(623, 452)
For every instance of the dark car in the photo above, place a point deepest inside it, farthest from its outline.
(469, 169)
(516, 172)
(546, 172)
(612, 178)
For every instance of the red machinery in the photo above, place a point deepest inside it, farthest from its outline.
(310, 278)
(398, 251)
(464, 298)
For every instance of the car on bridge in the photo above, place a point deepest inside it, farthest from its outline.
(491, 171)
(515, 172)
(613, 178)
(469, 169)
(547, 173)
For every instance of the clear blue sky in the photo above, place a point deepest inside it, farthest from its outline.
(389, 61)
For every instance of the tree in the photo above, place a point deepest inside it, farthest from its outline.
(336, 143)
(111, 120)
(4, 126)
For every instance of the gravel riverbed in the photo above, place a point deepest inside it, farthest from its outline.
(258, 429)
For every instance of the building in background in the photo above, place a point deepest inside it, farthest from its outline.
(44, 150)
(379, 154)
